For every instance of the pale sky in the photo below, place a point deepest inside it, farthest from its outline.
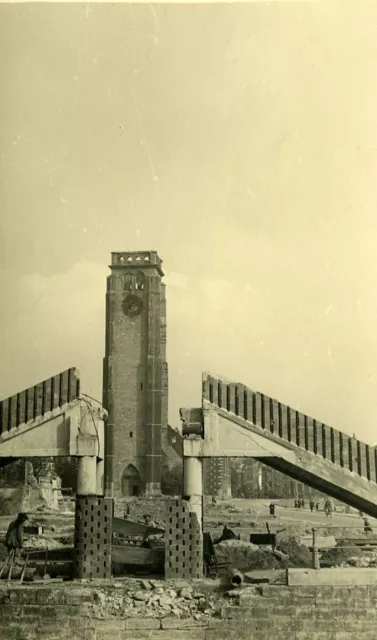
(240, 142)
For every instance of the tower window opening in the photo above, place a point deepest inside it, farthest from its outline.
(141, 385)
(128, 282)
(131, 434)
(129, 259)
(139, 281)
(146, 259)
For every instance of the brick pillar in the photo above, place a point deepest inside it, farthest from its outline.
(93, 533)
(183, 542)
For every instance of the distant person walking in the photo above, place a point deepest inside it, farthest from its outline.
(311, 505)
(328, 507)
(367, 527)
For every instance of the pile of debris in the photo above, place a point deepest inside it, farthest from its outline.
(149, 599)
(247, 556)
(350, 556)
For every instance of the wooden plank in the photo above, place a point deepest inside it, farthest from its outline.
(136, 555)
(130, 528)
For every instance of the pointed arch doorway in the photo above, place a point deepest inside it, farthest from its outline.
(131, 482)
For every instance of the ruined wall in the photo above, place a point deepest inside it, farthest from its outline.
(265, 613)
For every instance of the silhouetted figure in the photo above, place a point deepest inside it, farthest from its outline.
(311, 505)
(296, 504)
(272, 510)
(14, 537)
(328, 507)
(317, 506)
(367, 527)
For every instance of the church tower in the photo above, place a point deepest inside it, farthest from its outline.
(135, 374)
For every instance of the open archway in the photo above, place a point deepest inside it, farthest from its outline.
(131, 482)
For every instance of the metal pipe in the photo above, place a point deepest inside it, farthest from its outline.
(237, 578)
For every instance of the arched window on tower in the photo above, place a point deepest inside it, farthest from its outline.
(128, 282)
(140, 281)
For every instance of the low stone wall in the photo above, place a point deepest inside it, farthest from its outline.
(70, 612)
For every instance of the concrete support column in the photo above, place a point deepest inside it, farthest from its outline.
(100, 480)
(87, 476)
(193, 485)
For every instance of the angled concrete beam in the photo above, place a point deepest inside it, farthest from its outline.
(76, 429)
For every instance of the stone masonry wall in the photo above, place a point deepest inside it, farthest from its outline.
(100, 612)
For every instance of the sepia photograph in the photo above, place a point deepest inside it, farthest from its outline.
(188, 277)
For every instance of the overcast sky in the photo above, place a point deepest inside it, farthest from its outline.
(240, 142)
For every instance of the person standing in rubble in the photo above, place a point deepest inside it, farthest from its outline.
(14, 538)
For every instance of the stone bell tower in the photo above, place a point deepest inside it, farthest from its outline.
(135, 374)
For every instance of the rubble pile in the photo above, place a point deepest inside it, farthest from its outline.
(247, 556)
(39, 542)
(298, 554)
(149, 599)
(136, 508)
(350, 556)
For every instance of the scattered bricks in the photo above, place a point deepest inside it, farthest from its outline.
(185, 623)
(142, 623)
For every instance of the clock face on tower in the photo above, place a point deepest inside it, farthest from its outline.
(132, 306)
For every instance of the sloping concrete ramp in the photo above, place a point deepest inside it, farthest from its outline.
(53, 404)
(238, 422)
